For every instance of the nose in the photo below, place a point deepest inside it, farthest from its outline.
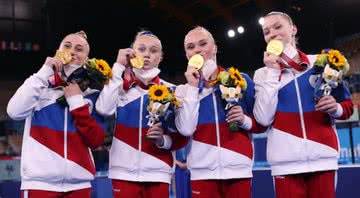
(72, 51)
(272, 35)
(146, 54)
(197, 50)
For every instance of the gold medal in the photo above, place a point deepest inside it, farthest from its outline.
(275, 47)
(137, 61)
(64, 56)
(196, 61)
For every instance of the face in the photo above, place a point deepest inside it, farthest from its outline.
(150, 48)
(278, 27)
(199, 42)
(78, 46)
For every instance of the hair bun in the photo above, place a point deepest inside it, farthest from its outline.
(82, 34)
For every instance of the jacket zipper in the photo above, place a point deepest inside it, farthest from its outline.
(65, 140)
(300, 108)
(217, 130)
(140, 134)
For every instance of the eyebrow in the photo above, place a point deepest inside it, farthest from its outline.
(78, 45)
(267, 27)
(152, 46)
(193, 43)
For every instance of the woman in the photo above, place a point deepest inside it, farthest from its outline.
(220, 161)
(302, 145)
(55, 158)
(141, 161)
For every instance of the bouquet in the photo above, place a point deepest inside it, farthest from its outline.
(330, 67)
(162, 104)
(95, 73)
(232, 86)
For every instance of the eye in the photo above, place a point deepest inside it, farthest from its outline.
(278, 27)
(236, 95)
(190, 46)
(141, 49)
(67, 46)
(79, 49)
(154, 51)
(203, 43)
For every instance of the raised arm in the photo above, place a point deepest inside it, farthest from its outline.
(267, 87)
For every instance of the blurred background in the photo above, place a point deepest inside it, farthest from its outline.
(31, 30)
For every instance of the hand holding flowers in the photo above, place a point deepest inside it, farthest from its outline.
(330, 67)
(161, 109)
(95, 73)
(232, 86)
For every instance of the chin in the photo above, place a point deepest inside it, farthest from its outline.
(147, 67)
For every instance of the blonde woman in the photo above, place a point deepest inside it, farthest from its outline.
(302, 145)
(55, 158)
(141, 160)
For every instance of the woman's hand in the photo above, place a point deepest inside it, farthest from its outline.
(155, 134)
(327, 104)
(54, 64)
(192, 76)
(235, 114)
(271, 60)
(124, 56)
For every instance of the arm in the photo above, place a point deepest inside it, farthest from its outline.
(90, 131)
(178, 141)
(27, 96)
(345, 107)
(168, 138)
(341, 110)
(267, 86)
(186, 118)
(107, 101)
(255, 127)
(246, 120)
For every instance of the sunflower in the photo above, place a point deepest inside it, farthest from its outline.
(336, 59)
(237, 78)
(159, 93)
(103, 67)
(175, 101)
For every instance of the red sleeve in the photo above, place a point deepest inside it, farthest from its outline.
(178, 140)
(256, 127)
(90, 131)
(348, 109)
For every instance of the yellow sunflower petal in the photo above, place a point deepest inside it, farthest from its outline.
(158, 93)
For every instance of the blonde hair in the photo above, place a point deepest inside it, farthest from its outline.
(146, 33)
(284, 15)
(81, 34)
(201, 28)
